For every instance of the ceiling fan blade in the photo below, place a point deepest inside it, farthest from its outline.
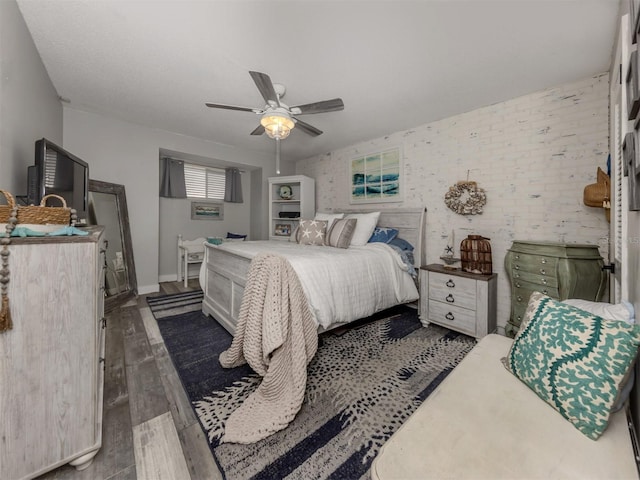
(332, 105)
(258, 131)
(264, 84)
(309, 129)
(234, 107)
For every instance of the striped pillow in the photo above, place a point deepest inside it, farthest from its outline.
(341, 233)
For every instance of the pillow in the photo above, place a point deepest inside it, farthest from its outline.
(364, 227)
(312, 232)
(383, 235)
(619, 311)
(402, 244)
(235, 237)
(329, 218)
(341, 233)
(575, 361)
(294, 235)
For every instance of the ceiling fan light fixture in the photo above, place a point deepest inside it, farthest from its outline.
(277, 125)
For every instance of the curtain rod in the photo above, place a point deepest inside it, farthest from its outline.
(201, 164)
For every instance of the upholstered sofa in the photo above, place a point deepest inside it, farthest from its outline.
(483, 422)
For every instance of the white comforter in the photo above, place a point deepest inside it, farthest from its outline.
(341, 285)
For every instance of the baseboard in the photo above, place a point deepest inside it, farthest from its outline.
(172, 277)
(149, 289)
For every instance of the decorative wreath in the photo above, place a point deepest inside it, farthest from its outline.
(465, 198)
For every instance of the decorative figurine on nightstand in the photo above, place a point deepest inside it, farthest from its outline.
(447, 256)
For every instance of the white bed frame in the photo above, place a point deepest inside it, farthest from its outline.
(223, 276)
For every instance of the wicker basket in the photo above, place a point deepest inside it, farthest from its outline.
(475, 253)
(5, 210)
(43, 215)
(36, 215)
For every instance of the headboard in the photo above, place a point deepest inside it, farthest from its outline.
(410, 223)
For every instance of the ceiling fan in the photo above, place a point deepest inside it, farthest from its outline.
(278, 119)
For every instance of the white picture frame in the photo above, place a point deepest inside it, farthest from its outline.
(376, 177)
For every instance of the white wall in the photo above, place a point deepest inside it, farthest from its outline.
(29, 105)
(128, 154)
(175, 217)
(533, 155)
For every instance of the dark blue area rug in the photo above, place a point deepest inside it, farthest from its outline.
(362, 385)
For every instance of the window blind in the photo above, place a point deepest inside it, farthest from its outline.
(204, 182)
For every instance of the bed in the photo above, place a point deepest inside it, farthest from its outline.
(224, 272)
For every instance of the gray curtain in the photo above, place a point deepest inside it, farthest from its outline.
(172, 185)
(232, 186)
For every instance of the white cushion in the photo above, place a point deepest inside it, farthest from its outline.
(329, 218)
(364, 227)
(619, 311)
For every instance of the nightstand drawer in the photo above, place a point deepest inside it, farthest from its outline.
(452, 290)
(456, 318)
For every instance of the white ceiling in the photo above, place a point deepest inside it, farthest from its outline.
(396, 64)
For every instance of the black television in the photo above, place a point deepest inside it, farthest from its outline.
(58, 172)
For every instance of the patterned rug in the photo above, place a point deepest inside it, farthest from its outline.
(362, 385)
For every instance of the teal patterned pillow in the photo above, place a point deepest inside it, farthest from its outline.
(573, 360)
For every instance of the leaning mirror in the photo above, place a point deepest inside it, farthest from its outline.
(108, 207)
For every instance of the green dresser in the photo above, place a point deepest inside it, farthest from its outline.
(555, 269)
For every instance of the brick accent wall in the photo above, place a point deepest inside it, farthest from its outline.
(533, 155)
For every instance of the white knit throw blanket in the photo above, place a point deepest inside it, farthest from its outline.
(277, 337)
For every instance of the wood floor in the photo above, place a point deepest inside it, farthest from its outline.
(149, 429)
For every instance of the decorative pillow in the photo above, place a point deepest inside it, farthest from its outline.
(573, 360)
(329, 218)
(294, 235)
(312, 232)
(383, 235)
(341, 233)
(364, 228)
(619, 311)
(402, 244)
(235, 237)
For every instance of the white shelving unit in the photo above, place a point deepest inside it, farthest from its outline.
(303, 201)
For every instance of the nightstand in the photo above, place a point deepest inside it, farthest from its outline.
(461, 301)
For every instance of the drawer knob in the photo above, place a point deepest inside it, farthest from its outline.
(545, 291)
(518, 285)
(543, 271)
(450, 298)
(449, 316)
(544, 281)
(517, 257)
(517, 267)
(519, 297)
(544, 260)
(450, 283)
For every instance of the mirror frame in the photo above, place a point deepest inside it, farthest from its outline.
(125, 234)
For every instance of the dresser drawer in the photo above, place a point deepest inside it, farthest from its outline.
(541, 279)
(522, 288)
(538, 264)
(456, 318)
(452, 290)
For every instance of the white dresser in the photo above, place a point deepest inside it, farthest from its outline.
(461, 301)
(52, 361)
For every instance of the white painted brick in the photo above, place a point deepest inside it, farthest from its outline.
(533, 155)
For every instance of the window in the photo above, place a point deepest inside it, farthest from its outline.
(204, 182)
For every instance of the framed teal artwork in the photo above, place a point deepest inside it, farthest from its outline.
(377, 177)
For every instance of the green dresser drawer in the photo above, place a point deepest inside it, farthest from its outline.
(558, 270)
(543, 265)
(542, 279)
